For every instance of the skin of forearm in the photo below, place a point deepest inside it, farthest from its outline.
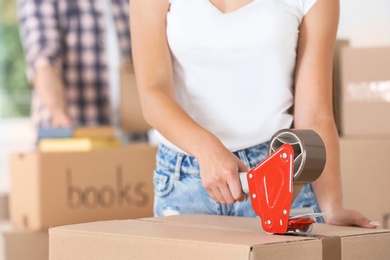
(327, 187)
(49, 86)
(187, 134)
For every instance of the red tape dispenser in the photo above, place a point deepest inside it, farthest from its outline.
(295, 157)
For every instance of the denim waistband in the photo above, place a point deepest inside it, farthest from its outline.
(181, 163)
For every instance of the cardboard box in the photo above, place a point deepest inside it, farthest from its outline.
(365, 176)
(20, 244)
(211, 237)
(354, 242)
(365, 97)
(3, 206)
(197, 237)
(131, 118)
(52, 189)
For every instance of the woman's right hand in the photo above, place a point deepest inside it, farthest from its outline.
(219, 170)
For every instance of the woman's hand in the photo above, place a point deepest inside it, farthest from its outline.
(219, 170)
(347, 217)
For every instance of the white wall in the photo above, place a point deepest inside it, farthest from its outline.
(16, 135)
(366, 23)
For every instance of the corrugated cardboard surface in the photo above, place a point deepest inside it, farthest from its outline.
(365, 172)
(131, 118)
(18, 244)
(338, 242)
(181, 237)
(365, 75)
(358, 243)
(4, 206)
(52, 189)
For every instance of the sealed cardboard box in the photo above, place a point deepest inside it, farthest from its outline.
(21, 244)
(51, 189)
(197, 237)
(3, 205)
(131, 118)
(365, 176)
(351, 243)
(365, 95)
(211, 237)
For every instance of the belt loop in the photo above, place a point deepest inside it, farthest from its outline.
(242, 155)
(178, 166)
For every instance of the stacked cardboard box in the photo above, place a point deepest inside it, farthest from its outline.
(53, 189)
(73, 182)
(19, 244)
(365, 168)
(365, 92)
(211, 237)
(364, 130)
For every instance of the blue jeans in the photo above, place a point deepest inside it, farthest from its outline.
(178, 187)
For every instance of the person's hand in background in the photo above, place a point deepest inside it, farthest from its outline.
(49, 86)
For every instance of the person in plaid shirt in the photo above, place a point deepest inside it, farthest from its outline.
(65, 44)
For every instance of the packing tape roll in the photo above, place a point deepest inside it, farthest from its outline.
(309, 152)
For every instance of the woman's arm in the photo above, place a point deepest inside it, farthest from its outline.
(313, 105)
(153, 68)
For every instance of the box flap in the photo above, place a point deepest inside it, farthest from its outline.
(232, 223)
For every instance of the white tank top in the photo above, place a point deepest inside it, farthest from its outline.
(233, 72)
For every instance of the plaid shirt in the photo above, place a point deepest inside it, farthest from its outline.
(71, 35)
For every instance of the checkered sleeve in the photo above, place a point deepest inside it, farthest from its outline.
(120, 11)
(40, 34)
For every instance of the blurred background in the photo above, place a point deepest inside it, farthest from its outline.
(362, 104)
(362, 23)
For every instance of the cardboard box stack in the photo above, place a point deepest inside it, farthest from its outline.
(211, 237)
(365, 92)
(364, 103)
(52, 189)
(20, 244)
(77, 175)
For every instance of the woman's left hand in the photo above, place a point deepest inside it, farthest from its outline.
(347, 217)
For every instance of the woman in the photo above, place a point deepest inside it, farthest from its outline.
(217, 78)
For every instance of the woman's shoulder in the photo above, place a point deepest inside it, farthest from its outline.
(302, 5)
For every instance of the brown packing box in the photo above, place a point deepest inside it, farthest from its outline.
(211, 237)
(353, 242)
(190, 237)
(365, 175)
(365, 96)
(52, 189)
(21, 244)
(131, 118)
(3, 206)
